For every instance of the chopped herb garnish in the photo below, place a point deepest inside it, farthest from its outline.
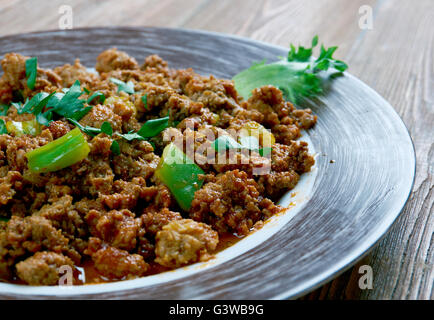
(3, 129)
(31, 72)
(297, 77)
(122, 86)
(106, 128)
(4, 109)
(153, 127)
(98, 95)
(86, 129)
(145, 101)
(66, 104)
(115, 148)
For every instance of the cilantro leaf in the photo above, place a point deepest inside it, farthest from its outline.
(4, 109)
(106, 128)
(31, 72)
(86, 129)
(69, 103)
(115, 148)
(145, 101)
(298, 76)
(122, 86)
(98, 95)
(153, 127)
(3, 129)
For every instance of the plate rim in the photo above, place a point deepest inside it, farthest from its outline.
(357, 253)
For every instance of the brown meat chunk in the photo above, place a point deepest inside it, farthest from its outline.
(33, 234)
(99, 114)
(42, 268)
(154, 220)
(294, 156)
(71, 73)
(215, 94)
(126, 194)
(9, 186)
(137, 159)
(113, 59)
(116, 263)
(118, 228)
(185, 241)
(267, 106)
(230, 204)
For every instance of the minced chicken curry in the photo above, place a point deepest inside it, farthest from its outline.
(134, 169)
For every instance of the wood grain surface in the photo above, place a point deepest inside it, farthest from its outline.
(395, 58)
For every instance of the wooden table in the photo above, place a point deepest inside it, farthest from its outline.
(395, 57)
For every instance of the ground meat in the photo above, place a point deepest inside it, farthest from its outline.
(59, 128)
(42, 268)
(267, 106)
(109, 208)
(113, 59)
(136, 160)
(215, 94)
(116, 263)
(118, 228)
(71, 73)
(230, 204)
(185, 241)
(9, 186)
(32, 234)
(126, 194)
(294, 156)
(99, 114)
(153, 220)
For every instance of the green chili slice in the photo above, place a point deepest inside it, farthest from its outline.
(180, 174)
(60, 153)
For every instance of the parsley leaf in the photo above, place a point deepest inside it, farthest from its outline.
(86, 129)
(106, 128)
(69, 103)
(297, 77)
(4, 109)
(98, 95)
(3, 129)
(31, 72)
(145, 101)
(115, 148)
(153, 127)
(122, 86)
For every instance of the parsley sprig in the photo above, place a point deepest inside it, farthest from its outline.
(149, 129)
(65, 104)
(298, 76)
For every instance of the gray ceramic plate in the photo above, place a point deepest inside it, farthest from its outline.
(342, 208)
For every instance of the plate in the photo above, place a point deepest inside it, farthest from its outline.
(364, 172)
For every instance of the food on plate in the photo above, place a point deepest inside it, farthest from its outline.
(135, 169)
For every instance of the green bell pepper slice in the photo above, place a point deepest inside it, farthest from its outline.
(59, 154)
(180, 174)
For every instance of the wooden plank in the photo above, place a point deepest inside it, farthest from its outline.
(396, 59)
(25, 16)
